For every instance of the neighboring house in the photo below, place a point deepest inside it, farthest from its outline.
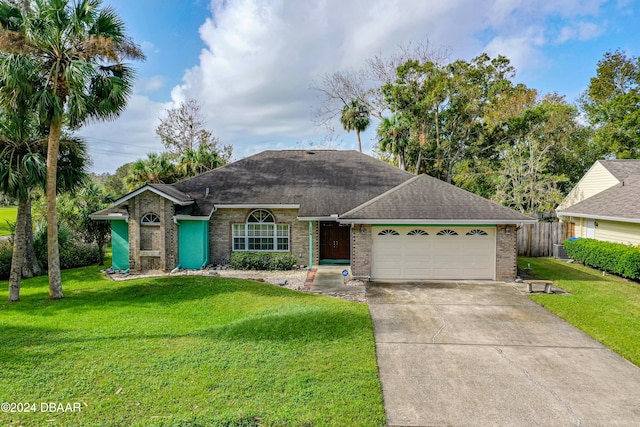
(605, 204)
(323, 207)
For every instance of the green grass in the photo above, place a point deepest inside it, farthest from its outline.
(605, 307)
(187, 351)
(7, 214)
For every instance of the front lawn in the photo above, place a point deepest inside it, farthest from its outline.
(188, 351)
(605, 307)
(7, 214)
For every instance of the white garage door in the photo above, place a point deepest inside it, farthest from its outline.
(433, 252)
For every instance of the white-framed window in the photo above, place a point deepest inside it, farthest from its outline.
(260, 233)
(150, 219)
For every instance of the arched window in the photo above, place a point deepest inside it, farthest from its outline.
(260, 216)
(150, 219)
(261, 233)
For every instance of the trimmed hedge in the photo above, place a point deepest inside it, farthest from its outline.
(616, 258)
(262, 261)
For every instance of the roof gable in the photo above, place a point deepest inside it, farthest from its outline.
(163, 190)
(619, 202)
(430, 200)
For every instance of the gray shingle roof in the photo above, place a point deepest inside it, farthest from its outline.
(325, 183)
(110, 213)
(425, 198)
(172, 192)
(621, 201)
(622, 168)
(322, 182)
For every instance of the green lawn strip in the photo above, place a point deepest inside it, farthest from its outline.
(605, 307)
(187, 350)
(7, 214)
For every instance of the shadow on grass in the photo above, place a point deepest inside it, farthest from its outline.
(103, 293)
(295, 324)
(558, 270)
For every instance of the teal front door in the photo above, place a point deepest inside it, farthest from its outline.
(193, 244)
(119, 245)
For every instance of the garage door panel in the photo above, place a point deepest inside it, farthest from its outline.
(420, 253)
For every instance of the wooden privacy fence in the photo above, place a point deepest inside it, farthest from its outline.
(537, 240)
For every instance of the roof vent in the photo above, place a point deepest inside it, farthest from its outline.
(311, 152)
(206, 192)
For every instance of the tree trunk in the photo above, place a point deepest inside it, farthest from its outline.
(418, 163)
(53, 252)
(359, 142)
(31, 266)
(18, 252)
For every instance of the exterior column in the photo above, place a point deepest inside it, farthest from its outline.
(310, 244)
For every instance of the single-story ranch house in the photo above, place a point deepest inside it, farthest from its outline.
(323, 206)
(605, 203)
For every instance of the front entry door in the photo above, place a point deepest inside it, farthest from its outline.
(334, 242)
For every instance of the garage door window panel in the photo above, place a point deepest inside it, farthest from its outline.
(476, 233)
(388, 233)
(417, 233)
(447, 232)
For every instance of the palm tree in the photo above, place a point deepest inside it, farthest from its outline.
(394, 137)
(155, 169)
(355, 116)
(72, 56)
(195, 161)
(22, 170)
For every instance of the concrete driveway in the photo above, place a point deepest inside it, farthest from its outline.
(482, 353)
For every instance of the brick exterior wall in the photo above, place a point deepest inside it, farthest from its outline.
(156, 247)
(506, 252)
(220, 233)
(361, 246)
(152, 247)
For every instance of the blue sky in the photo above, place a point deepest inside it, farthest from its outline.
(250, 63)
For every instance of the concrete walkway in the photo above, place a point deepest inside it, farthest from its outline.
(329, 280)
(482, 353)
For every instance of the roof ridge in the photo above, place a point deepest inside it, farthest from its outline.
(386, 193)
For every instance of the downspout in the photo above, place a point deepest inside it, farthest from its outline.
(310, 244)
(206, 257)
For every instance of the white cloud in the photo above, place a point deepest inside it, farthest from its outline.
(260, 57)
(130, 137)
(149, 85)
(579, 31)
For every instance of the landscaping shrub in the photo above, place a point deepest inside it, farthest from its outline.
(6, 250)
(616, 258)
(73, 253)
(77, 254)
(262, 261)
